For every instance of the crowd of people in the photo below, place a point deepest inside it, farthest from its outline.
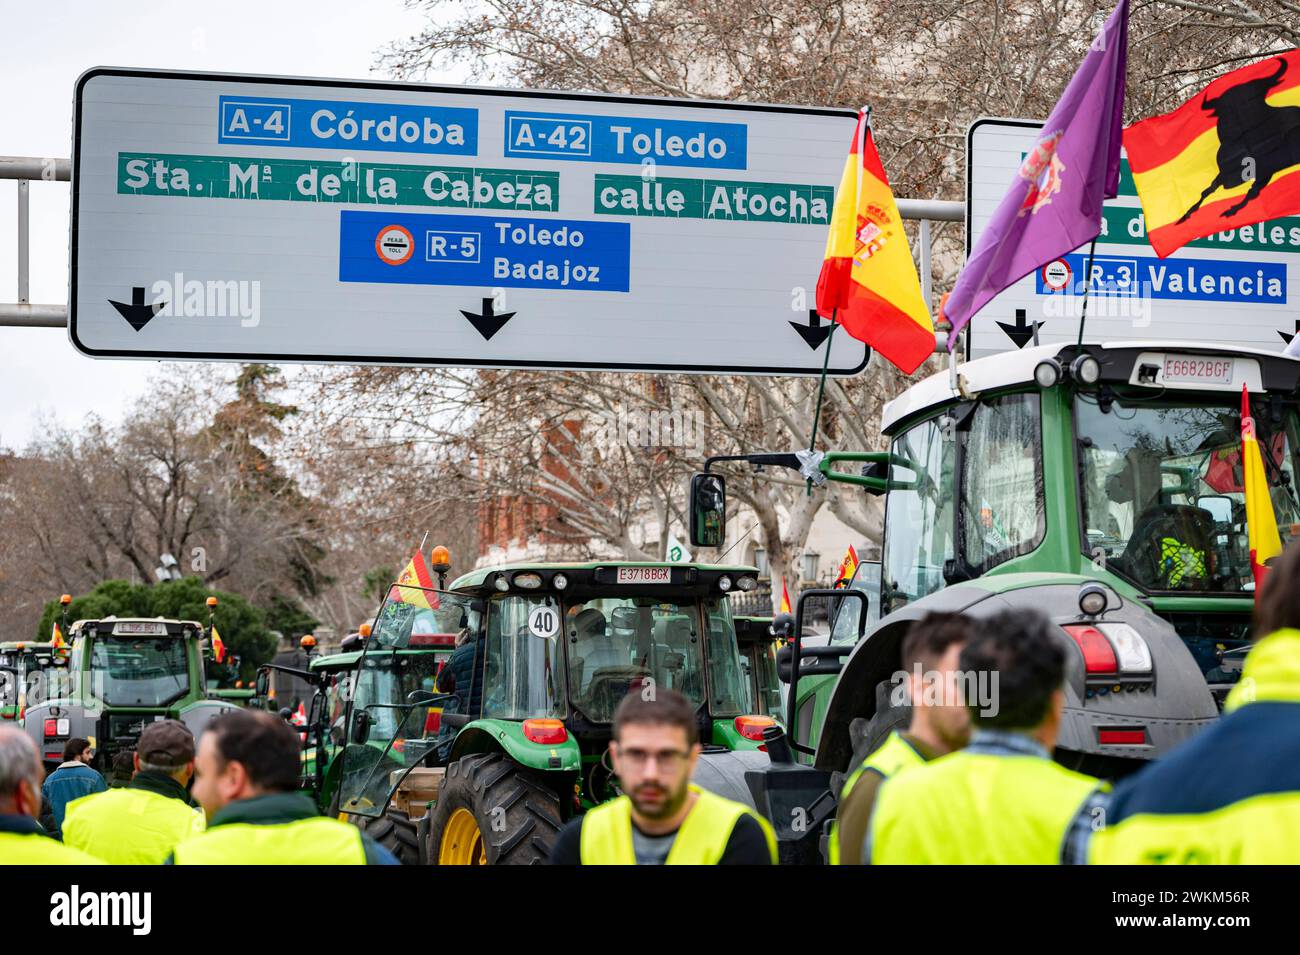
(964, 783)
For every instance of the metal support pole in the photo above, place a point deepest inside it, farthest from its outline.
(24, 249)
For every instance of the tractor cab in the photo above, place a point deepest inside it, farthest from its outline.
(543, 655)
(29, 672)
(1100, 484)
(122, 673)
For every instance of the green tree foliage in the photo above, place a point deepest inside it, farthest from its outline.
(242, 626)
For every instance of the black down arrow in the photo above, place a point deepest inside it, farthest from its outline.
(814, 333)
(138, 314)
(1287, 336)
(488, 323)
(1020, 333)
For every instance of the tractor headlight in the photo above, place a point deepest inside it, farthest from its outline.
(501, 583)
(559, 581)
(724, 583)
(1092, 599)
(527, 581)
(1047, 373)
(747, 583)
(1086, 370)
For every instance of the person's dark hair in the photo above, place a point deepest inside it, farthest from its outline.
(1278, 604)
(664, 708)
(930, 637)
(266, 746)
(1023, 649)
(74, 747)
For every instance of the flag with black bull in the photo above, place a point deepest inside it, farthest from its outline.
(1227, 158)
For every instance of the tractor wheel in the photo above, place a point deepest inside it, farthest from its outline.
(869, 735)
(492, 811)
(396, 832)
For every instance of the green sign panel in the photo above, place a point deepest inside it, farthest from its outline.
(1126, 225)
(713, 199)
(362, 183)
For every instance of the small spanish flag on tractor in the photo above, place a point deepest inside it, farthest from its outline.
(785, 599)
(56, 637)
(848, 567)
(868, 282)
(415, 585)
(218, 645)
(1229, 157)
(1261, 520)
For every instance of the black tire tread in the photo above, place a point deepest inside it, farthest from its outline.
(483, 782)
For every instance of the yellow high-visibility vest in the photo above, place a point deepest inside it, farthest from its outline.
(1259, 822)
(702, 839)
(314, 841)
(978, 809)
(130, 826)
(893, 756)
(21, 848)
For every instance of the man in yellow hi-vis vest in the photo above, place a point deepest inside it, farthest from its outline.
(140, 823)
(1001, 800)
(940, 723)
(247, 773)
(662, 819)
(22, 840)
(1231, 794)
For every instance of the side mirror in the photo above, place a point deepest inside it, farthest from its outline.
(878, 470)
(361, 727)
(262, 684)
(708, 509)
(1219, 506)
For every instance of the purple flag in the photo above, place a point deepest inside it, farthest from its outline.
(1054, 203)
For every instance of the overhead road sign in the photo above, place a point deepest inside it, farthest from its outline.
(265, 218)
(1236, 287)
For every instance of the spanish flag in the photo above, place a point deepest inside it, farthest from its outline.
(218, 645)
(848, 567)
(785, 599)
(1261, 521)
(1227, 158)
(56, 637)
(415, 585)
(868, 281)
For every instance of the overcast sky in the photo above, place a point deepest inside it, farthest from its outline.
(43, 49)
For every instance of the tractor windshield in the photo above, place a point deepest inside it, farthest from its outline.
(619, 644)
(1163, 502)
(397, 707)
(136, 671)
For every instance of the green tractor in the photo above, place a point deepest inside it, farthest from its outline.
(1100, 484)
(335, 678)
(544, 654)
(28, 670)
(122, 673)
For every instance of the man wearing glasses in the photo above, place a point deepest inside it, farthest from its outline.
(662, 818)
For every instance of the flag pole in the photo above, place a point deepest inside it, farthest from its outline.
(863, 126)
(821, 390)
(1087, 285)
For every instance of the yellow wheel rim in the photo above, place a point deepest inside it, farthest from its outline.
(462, 843)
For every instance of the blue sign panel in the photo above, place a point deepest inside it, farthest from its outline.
(334, 124)
(626, 139)
(484, 251)
(1146, 276)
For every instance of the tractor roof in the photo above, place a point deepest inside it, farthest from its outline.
(1269, 370)
(114, 625)
(26, 646)
(482, 576)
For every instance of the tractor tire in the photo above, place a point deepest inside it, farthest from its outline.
(482, 788)
(396, 832)
(869, 735)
